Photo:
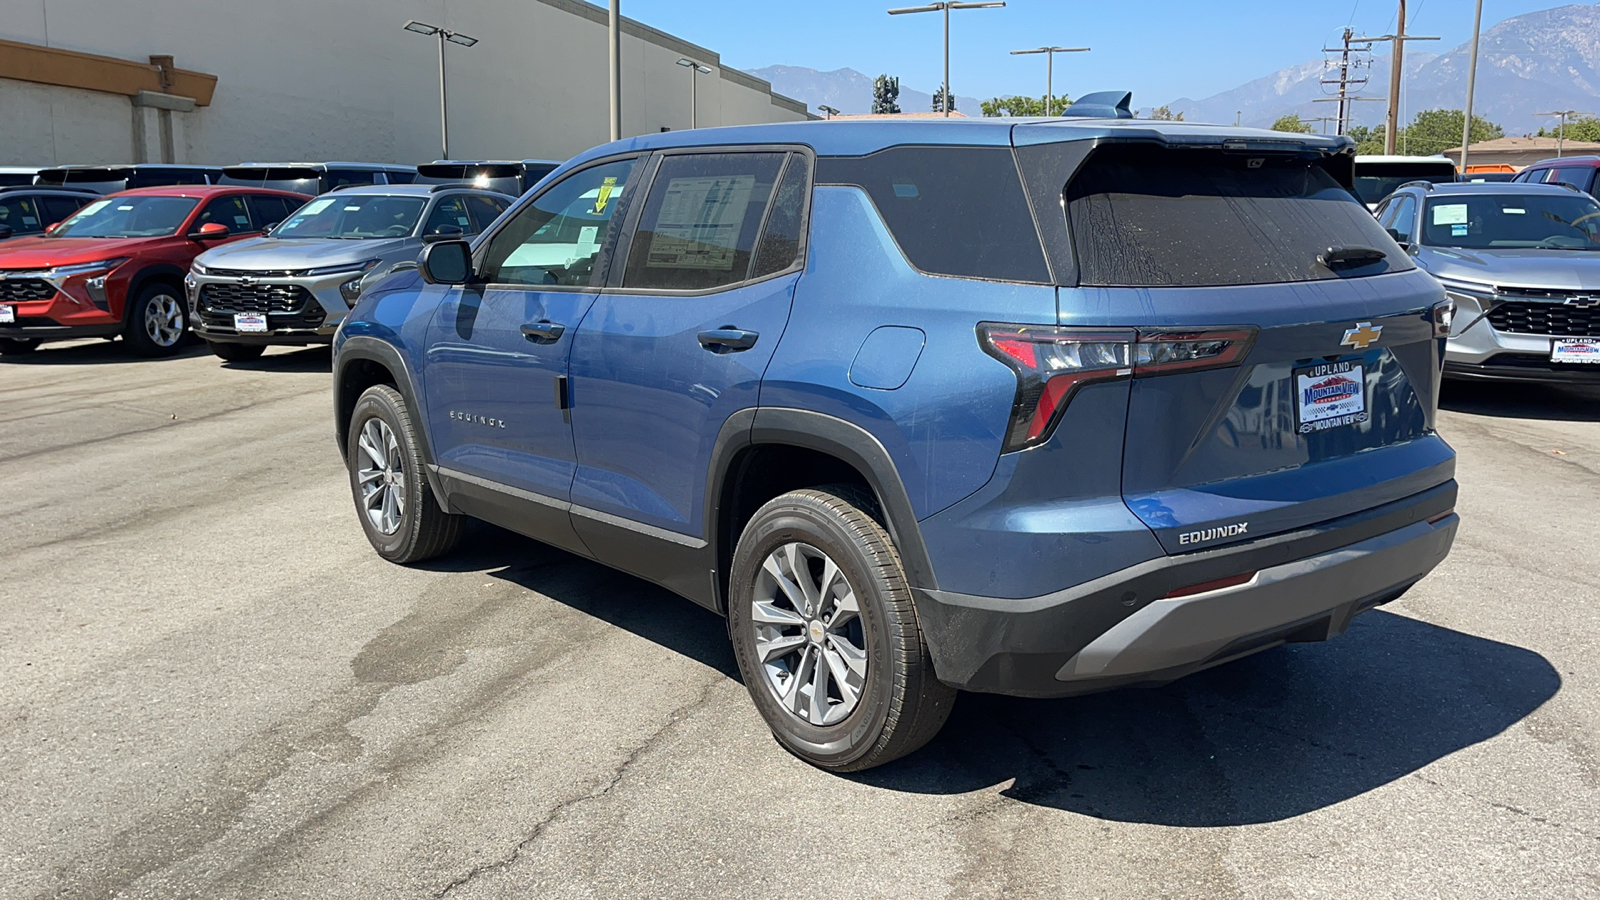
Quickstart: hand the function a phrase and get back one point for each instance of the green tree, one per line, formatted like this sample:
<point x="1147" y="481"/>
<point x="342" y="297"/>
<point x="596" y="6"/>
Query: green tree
<point x="1024" y="106"/>
<point x="1165" y="114"/>
<point x="1291" y="122"/>
<point x="1436" y="130"/>
<point x="1586" y="129"/>
<point x="942" y="97"/>
<point x="885" y="95"/>
<point x="1369" y="141"/>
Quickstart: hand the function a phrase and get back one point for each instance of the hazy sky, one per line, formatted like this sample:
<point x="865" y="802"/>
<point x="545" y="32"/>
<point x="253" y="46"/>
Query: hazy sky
<point x="1159" y="49"/>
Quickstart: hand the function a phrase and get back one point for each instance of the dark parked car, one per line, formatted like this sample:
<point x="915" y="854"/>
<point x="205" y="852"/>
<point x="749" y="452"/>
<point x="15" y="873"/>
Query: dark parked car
<point x="1028" y="407"/>
<point x="1579" y="171"/>
<point x="111" y="179"/>
<point x="506" y="176"/>
<point x="315" y="178"/>
<point x="29" y="209"/>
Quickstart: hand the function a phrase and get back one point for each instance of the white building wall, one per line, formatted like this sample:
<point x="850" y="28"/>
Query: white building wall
<point x="340" y="79"/>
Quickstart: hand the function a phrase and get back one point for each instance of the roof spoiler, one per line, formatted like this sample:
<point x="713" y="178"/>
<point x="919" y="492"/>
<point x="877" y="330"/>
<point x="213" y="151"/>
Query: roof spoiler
<point x="1102" y="105"/>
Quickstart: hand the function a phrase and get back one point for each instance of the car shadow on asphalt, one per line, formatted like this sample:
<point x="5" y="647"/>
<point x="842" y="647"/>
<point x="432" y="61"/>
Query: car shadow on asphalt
<point x="299" y="359"/>
<point x="1266" y="738"/>
<point x="96" y="352"/>
<point x="621" y="600"/>
<point x="1519" y="400"/>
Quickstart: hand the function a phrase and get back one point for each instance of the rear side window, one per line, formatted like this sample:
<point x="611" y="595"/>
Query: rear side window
<point x="484" y="210"/>
<point x="1153" y="217"/>
<point x="953" y="210"/>
<point x="781" y="240"/>
<point x="268" y="210"/>
<point x="701" y="220"/>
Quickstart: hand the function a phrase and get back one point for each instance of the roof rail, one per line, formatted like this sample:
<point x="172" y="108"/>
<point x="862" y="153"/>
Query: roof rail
<point x="1571" y="187"/>
<point x="1102" y="105"/>
<point x="453" y="186"/>
<point x="1423" y="183"/>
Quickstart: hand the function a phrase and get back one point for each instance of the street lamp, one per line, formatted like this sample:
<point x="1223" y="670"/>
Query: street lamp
<point x="454" y="37"/>
<point x="695" y="71"/>
<point x="828" y="111"/>
<point x="1561" y="130"/>
<point x="945" y="8"/>
<point x="1050" y="70"/>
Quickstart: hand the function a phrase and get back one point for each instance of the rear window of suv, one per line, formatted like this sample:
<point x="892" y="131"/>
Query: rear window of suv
<point x="1154" y="217"/>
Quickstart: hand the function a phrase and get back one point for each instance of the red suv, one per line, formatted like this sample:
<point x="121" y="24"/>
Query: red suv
<point x="1581" y="172"/>
<point x="117" y="265"/>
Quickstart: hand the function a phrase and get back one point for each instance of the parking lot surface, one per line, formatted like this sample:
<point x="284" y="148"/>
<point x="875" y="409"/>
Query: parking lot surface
<point x="212" y="687"/>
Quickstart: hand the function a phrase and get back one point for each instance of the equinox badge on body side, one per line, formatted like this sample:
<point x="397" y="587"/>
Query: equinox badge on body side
<point x="1211" y="534"/>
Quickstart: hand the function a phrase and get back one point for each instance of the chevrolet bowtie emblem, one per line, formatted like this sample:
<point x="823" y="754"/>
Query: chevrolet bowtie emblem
<point x="1583" y="301"/>
<point x="1362" y="336"/>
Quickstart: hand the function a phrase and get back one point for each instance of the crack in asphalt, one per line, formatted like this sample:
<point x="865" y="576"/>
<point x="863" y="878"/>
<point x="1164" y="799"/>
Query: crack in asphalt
<point x="596" y="791"/>
<point x="1496" y="804"/>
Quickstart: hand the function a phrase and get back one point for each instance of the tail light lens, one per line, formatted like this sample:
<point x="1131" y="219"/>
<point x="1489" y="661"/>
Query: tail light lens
<point x="1052" y="362"/>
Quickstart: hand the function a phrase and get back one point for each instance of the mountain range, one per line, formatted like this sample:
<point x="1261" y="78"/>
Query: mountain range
<point x="848" y="91"/>
<point x="1535" y="62"/>
<point x="1538" y="61"/>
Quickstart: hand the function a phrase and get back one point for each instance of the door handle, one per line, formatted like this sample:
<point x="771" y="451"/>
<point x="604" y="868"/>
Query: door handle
<point x="543" y="331"/>
<point x="728" y="339"/>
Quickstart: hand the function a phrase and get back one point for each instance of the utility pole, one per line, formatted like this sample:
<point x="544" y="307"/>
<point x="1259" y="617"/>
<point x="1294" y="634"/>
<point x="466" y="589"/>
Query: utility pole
<point x="1050" y="71"/>
<point x="1561" y="130"/>
<point x="1472" y="74"/>
<point x="1396" y="65"/>
<point x="1347" y="81"/>
<point x="827" y="110"/>
<point x="614" y="43"/>
<point x="945" y="7"/>
<point x="696" y="69"/>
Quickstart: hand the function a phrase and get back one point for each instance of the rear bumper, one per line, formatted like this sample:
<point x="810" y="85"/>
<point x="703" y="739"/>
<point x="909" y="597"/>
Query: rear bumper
<point x="1116" y="630"/>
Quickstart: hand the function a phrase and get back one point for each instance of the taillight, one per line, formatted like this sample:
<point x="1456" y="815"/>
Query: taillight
<point x="1052" y="362"/>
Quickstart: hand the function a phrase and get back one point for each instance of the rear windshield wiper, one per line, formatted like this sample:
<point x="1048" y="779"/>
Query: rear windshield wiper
<point x="1350" y="256"/>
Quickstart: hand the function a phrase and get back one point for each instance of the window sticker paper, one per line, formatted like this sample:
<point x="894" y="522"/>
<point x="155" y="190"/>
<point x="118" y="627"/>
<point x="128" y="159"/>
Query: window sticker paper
<point x="1450" y="214"/>
<point x="699" y="223"/>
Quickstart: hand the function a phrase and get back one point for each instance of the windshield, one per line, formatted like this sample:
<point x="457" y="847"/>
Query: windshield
<point x="1375" y="181"/>
<point x="123" y="217"/>
<point x="1512" y="221"/>
<point x="20" y="214"/>
<point x="353" y="217"/>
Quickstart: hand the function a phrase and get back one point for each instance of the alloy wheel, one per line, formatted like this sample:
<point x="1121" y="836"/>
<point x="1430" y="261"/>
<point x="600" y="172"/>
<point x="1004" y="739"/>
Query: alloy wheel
<point x="381" y="476"/>
<point x="163" y="320"/>
<point x="809" y="635"/>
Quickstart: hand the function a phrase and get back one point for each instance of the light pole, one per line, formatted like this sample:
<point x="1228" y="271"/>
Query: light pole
<point x="828" y="111"/>
<point x="454" y="37"/>
<point x="1050" y="70"/>
<point x="945" y="8"/>
<point x="1472" y="75"/>
<point x="614" y="52"/>
<point x="1561" y="130"/>
<point x="695" y="71"/>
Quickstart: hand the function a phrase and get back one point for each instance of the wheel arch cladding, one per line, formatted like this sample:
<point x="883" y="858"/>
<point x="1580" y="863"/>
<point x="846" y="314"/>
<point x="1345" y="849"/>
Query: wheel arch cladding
<point x="766" y="452"/>
<point x="160" y="273"/>
<point x="362" y="362"/>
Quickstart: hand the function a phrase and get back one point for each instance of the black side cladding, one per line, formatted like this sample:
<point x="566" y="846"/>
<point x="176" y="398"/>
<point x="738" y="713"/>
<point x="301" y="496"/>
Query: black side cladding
<point x="953" y="210"/>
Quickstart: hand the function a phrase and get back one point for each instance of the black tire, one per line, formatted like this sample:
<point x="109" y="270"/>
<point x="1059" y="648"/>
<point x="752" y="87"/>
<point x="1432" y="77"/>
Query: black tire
<point x="424" y="530"/>
<point x="901" y="704"/>
<point x="157" y="322"/>
<point x="236" y="352"/>
<point x="18" y="346"/>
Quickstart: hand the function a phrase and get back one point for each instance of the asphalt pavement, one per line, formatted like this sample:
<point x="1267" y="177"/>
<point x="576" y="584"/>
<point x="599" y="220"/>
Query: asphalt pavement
<point x="210" y="686"/>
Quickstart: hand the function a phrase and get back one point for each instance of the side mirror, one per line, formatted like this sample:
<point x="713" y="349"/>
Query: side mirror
<point x="5" y="232"/>
<point x="211" y="231"/>
<point x="51" y="228"/>
<point x="446" y="262"/>
<point x="443" y="233"/>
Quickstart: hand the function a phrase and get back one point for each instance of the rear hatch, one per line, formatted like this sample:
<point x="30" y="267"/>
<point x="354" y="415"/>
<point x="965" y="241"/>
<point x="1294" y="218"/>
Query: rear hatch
<point x="1289" y="353"/>
<point x="505" y="177"/>
<point x="299" y="179"/>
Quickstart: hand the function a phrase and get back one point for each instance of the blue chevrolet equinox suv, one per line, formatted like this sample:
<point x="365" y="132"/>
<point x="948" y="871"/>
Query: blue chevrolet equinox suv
<point x="1031" y="407"/>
